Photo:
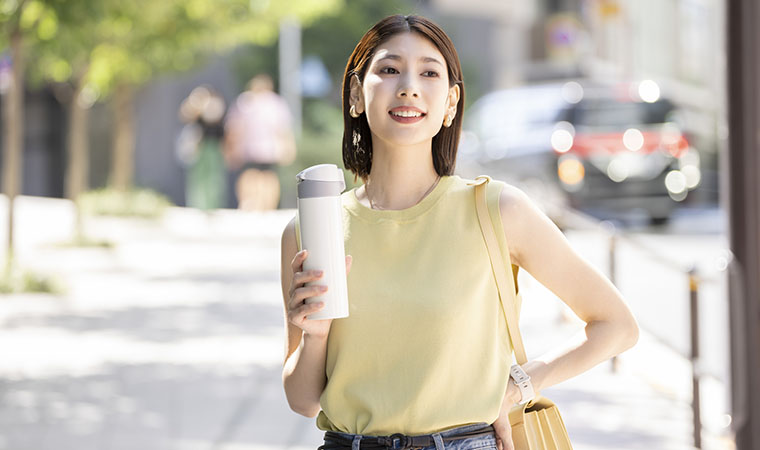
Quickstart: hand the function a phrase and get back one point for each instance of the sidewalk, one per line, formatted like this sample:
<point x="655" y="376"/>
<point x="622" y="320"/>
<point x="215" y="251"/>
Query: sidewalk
<point x="174" y="339"/>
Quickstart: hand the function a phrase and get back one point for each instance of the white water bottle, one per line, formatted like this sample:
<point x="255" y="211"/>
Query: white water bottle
<point x="320" y="220"/>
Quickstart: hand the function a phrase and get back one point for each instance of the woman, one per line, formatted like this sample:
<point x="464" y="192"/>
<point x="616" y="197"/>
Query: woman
<point x="425" y="350"/>
<point x="199" y="148"/>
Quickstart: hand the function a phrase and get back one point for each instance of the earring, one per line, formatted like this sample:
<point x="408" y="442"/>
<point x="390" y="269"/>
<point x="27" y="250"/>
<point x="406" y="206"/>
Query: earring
<point x="447" y="122"/>
<point x="353" y="112"/>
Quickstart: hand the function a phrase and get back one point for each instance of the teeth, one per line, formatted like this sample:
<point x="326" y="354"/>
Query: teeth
<point x="406" y="114"/>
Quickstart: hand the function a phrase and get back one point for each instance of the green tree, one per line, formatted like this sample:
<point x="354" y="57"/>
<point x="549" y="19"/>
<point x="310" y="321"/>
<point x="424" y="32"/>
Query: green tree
<point x="103" y="48"/>
<point x="65" y="59"/>
<point x="149" y="38"/>
<point x="21" y="24"/>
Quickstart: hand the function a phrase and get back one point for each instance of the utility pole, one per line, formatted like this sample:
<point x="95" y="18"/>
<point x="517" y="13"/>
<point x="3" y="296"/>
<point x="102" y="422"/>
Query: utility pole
<point x="290" y="69"/>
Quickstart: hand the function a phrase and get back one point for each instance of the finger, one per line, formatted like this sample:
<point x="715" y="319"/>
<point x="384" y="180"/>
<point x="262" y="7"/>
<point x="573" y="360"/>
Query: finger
<point x="298" y="259"/>
<point x="499" y="444"/>
<point x="506" y="438"/>
<point x="503" y="434"/>
<point x="298" y="316"/>
<point x="300" y="278"/>
<point x="349" y="263"/>
<point x="301" y="294"/>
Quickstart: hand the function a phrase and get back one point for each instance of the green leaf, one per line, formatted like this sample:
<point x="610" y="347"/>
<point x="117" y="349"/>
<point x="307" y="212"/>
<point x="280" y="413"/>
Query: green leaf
<point x="31" y="14"/>
<point x="8" y="7"/>
<point x="48" y="26"/>
<point x="60" y="70"/>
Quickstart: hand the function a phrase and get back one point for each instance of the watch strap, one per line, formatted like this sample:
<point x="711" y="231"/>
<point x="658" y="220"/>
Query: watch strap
<point x="522" y="381"/>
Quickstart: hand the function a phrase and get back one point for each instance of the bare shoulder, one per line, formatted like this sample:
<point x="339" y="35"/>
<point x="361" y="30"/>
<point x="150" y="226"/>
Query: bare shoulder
<point x="288" y="243"/>
<point x="289" y="233"/>
<point x="524" y="223"/>
<point x="512" y="199"/>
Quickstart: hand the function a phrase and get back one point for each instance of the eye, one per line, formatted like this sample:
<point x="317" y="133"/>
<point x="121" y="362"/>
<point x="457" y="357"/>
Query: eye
<point x="384" y="69"/>
<point x="433" y="72"/>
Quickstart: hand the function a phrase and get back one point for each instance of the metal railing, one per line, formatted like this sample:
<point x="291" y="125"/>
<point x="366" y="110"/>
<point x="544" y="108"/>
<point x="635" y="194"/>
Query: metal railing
<point x="575" y="219"/>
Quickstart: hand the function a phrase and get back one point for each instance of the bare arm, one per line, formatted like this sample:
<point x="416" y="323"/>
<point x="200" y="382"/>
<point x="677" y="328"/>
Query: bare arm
<point x="232" y="139"/>
<point x="288" y="143"/>
<point x="538" y="246"/>
<point x="303" y="374"/>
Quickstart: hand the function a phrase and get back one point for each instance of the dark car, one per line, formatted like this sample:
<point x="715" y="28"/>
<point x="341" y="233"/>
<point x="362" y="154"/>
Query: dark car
<point x="617" y="154"/>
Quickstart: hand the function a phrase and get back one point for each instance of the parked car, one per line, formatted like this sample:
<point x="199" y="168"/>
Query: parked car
<point x="617" y="153"/>
<point x="598" y="148"/>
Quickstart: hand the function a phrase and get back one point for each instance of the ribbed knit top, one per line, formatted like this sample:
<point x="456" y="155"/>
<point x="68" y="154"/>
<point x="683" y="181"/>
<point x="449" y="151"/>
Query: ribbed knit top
<point x="425" y="347"/>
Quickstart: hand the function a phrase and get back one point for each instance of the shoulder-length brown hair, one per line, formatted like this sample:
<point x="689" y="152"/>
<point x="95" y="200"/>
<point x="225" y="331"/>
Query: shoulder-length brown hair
<point x="357" y="141"/>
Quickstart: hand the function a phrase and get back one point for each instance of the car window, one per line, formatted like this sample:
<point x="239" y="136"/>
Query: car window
<point x="610" y="113"/>
<point x="516" y="111"/>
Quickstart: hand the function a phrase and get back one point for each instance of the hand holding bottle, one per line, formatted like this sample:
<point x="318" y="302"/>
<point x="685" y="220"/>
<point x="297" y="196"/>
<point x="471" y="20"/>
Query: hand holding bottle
<point x="298" y="309"/>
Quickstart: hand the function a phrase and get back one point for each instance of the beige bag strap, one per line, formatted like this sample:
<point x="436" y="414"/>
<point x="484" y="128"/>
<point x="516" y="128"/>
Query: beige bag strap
<point x="505" y="284"/>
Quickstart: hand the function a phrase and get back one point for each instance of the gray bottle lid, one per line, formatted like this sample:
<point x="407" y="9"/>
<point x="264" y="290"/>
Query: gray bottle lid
<point x="322" y="180"/>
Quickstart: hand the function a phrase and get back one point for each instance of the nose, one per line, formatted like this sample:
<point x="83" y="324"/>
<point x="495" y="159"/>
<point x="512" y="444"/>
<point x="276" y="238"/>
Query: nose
<point x="408" y="91"/>
<point x="408" y="88"/>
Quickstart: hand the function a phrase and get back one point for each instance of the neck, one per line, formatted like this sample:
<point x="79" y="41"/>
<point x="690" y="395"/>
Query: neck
<point x="401" y="176"/>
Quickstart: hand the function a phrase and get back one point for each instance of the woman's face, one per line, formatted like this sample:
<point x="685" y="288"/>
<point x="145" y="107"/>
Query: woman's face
<point x="405" y="92"/>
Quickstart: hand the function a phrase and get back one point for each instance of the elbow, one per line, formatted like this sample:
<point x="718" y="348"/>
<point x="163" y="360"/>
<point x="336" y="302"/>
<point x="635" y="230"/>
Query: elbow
<point x="634" y="335"/>
<point x="616" y="335"/>
<point x="306" y="409"/>
<point x="628" y="332"/>
<point x="299" y="405"/>
<point x="310" y="412"/>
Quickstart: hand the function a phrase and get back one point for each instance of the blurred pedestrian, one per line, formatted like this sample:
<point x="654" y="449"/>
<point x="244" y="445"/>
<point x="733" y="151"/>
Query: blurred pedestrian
<point x="199" y="148"/>
<point x="425" y="351"/>
<point x="258" y="139"/>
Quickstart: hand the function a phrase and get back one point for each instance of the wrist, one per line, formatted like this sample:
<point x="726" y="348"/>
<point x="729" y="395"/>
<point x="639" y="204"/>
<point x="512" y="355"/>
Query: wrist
<point x="316" y="338"/>
<point x="537" y="372"/>
<point x="522" y="380"/>
<point x="513" y="393"/>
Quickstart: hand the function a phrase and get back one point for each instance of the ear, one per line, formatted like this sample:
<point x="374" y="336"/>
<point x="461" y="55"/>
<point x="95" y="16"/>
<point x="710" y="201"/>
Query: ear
<point x="452" y="100"/>
<point x="356" y="97"/>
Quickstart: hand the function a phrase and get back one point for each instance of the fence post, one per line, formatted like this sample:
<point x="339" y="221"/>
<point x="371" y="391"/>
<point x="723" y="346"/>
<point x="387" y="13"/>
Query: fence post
<point x="695" y="364"/>
<point x="610" y="228"/>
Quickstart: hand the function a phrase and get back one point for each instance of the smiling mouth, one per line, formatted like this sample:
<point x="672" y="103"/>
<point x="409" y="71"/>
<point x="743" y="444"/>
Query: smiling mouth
<point x="406" y="114"/>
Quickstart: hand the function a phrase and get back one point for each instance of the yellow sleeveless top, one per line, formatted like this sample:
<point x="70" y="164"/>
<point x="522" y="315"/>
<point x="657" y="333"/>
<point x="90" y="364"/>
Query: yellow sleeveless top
<point x="425" y="347"/>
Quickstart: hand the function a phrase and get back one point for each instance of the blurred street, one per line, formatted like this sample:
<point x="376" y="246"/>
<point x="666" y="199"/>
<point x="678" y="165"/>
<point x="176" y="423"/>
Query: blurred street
<point x="174" y="339"/>
<point x="629" y="123"/>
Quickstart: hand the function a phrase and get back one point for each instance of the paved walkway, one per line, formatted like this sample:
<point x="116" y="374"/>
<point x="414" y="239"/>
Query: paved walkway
<point x="173" y="339"/>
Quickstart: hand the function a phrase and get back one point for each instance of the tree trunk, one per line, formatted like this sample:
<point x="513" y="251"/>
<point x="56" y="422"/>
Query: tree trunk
<point x="78" y="167"/>
<point x="13" y="138"/>
<point x="122" y="164"/>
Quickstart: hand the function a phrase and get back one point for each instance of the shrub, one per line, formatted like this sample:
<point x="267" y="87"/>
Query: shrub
<point x="136" y="202"/>
<point x="26" y="281"/>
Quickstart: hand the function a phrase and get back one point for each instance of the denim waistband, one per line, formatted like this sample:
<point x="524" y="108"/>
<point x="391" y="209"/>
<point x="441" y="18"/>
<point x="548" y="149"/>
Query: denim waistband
<point x="437" y="437"/>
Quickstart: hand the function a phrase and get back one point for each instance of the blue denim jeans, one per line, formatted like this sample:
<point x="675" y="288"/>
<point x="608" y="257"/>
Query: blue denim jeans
<point x="485" y="442"/>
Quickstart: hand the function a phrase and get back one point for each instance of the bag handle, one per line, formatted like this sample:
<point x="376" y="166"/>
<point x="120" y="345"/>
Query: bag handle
<point x="504" y="283"/>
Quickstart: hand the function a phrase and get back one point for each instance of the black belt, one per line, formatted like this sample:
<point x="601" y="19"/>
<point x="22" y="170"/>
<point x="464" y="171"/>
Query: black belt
<point x="334" y="441"/>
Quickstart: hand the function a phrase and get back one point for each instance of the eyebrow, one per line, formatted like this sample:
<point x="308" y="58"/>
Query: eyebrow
<point x="399" y="58"/>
